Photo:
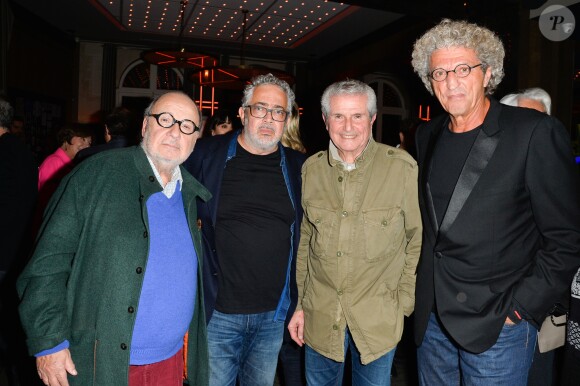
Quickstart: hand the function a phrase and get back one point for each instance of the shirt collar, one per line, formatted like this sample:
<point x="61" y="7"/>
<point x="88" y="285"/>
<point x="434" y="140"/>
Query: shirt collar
<point x="335" y="157"/>
<point x="176" y="177"/>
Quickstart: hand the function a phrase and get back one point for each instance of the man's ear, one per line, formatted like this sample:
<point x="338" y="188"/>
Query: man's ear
<point x="486" y="77"/>
<point x="242" y="114"/>
<point x="144" y="127"/>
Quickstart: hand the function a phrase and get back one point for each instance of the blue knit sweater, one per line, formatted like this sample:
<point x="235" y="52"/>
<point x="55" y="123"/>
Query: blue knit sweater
<point x="166" y="303"/>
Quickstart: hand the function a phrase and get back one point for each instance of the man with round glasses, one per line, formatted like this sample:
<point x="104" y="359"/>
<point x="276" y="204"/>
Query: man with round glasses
<point x="251" y="229"/>
<point x="498" y="192"/>
<point x="114" y="284"/>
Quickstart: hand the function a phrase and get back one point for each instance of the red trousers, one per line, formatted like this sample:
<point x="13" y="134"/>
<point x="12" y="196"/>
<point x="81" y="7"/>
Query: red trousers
<point x="165" y="373"/>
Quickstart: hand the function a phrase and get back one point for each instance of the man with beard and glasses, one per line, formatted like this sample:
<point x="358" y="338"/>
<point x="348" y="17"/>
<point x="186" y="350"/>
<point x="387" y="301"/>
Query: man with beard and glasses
<point x="114" y="285"/>
<point x="250" y="232"/>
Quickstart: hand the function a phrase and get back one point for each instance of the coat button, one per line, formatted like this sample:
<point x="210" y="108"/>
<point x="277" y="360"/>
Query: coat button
<point x="438" y="255"/>
<point x="339" y="292"/>
<point x="339" y="179"/>
<point x="145" y="234"/>
<point x="334" y="327"/>
<point x="123" y="346"/>
<point x="130" y="309"/>
<point x="151" y="178"/>
<point x="139" y="270"/>
<point x="344" y="213"/>
<point x="339" y="253"/>
<point x="141" y="197"/>
<point x="390" y="152"/>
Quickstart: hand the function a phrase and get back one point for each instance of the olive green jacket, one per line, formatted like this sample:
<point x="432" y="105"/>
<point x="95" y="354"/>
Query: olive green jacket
<point x="359" y="248"/>
<point x="84" y="280"/>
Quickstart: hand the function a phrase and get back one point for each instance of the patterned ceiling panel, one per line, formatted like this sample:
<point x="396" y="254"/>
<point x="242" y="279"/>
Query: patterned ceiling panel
<point x="274" y="23"/>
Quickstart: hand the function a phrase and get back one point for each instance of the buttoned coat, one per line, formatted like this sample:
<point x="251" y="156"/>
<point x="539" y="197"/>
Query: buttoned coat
<point x="510" y="237"/>
<point x="84" y="281"/>
<point x="359" y="247"/>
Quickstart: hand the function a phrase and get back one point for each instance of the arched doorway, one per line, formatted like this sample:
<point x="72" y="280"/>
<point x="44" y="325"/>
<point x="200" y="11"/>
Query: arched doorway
<point x="391" y="108"/>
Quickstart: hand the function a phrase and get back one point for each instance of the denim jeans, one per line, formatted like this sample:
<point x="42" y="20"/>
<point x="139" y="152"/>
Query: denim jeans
<point x="243" y="347"/>
<point x="322" y="371"/>
<point x="441" y="361"/>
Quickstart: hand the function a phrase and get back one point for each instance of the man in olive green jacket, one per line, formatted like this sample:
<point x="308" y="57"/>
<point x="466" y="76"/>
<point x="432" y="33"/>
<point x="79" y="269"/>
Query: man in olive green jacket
<point x="95" y="272"/>
<point x="359" y="246"/>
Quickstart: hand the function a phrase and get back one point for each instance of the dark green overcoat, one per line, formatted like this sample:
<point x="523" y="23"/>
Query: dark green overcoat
<point x="84" y="279"/>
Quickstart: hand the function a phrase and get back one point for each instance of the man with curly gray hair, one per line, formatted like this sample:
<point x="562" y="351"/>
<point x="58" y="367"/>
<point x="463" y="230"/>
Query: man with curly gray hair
<point x="498" y="192"/>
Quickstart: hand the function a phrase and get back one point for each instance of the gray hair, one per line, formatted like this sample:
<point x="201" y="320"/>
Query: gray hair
<point x="534" y="93"/>
<point x="349" y="87"/>
<point x="459" y="33"/>
<point x="149" y="108"/>
<point x="6" y="114"/>
<point x="510" y="100"/>
<point x="268" y="79"/>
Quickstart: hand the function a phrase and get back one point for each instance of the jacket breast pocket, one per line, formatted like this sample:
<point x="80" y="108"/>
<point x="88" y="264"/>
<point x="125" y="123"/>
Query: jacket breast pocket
<point x="322" y="221"/>
<point x="383" y="232"/>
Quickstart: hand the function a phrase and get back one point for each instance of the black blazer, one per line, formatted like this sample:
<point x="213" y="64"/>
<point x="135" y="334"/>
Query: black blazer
<point x="207" y="164"/>
<point x="510" y="237"/>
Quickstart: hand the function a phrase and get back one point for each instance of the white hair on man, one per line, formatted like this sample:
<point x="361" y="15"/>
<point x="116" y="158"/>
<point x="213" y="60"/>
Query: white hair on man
<point x="534" y="94"/>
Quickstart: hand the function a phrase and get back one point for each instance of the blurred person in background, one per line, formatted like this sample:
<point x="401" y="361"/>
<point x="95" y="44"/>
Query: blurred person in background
<point x="72" y="139"/>
<point x="220" y="123"/>
<point x="116" y="131"/>
<point x="18" y="190"/>
<point x="531" y="98"/>
<point x="291" y="136"/>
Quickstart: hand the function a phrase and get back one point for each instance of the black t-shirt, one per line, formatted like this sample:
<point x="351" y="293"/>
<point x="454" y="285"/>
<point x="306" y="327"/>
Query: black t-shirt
<point x="252" y="233"/>
<point x="449" y="157"/>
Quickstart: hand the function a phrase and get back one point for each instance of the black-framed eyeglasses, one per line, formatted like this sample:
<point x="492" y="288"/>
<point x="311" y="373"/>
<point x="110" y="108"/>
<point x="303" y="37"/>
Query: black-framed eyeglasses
<point x="166" y="120"/>
<point x="461" y="71"/>
<point x="259" y="111"/>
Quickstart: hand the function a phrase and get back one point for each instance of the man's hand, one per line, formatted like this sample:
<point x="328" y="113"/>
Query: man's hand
<point x="296" y="327"/>
<point x="53" y="368"/>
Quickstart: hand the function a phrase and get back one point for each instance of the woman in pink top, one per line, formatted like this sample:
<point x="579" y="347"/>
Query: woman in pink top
<point x="72" y="139"/>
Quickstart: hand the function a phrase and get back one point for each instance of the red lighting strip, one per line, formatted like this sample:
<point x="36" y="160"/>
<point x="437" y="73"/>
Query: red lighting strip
<point x="228" y="73"/>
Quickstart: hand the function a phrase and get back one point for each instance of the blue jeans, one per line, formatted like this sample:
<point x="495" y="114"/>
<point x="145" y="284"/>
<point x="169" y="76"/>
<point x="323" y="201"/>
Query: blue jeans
<point x="243" y="347"/>
<point x="440" y="361"/>
<point x="322" y="371"/>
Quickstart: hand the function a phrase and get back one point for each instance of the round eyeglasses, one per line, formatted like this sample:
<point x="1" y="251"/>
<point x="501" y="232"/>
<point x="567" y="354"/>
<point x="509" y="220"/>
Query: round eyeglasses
<point x="461" y="71"/>
<point x="166" y="120"/>
<point x="259" y="111"/>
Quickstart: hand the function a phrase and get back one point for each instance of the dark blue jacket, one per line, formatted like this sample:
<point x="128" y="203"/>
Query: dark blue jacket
<point x="207" y="164"/>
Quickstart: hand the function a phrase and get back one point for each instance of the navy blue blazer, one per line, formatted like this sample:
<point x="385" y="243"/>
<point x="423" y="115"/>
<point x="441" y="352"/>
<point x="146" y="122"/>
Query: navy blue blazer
<point x="510" y="238"/>
<point x="207" y="164"/>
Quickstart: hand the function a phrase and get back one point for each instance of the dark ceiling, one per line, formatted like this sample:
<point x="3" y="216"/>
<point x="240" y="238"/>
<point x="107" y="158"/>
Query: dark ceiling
<point x="299" y="30"/>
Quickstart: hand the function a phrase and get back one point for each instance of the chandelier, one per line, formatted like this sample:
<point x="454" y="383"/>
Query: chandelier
<point x="180" y="58"/>
<point x="236" y="77"/>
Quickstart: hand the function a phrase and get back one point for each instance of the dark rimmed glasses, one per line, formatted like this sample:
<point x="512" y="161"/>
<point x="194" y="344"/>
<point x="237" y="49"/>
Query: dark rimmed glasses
<point x="166" y="120"/>
<point x="461" y="71"/>
<point x="259" y="111"/>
